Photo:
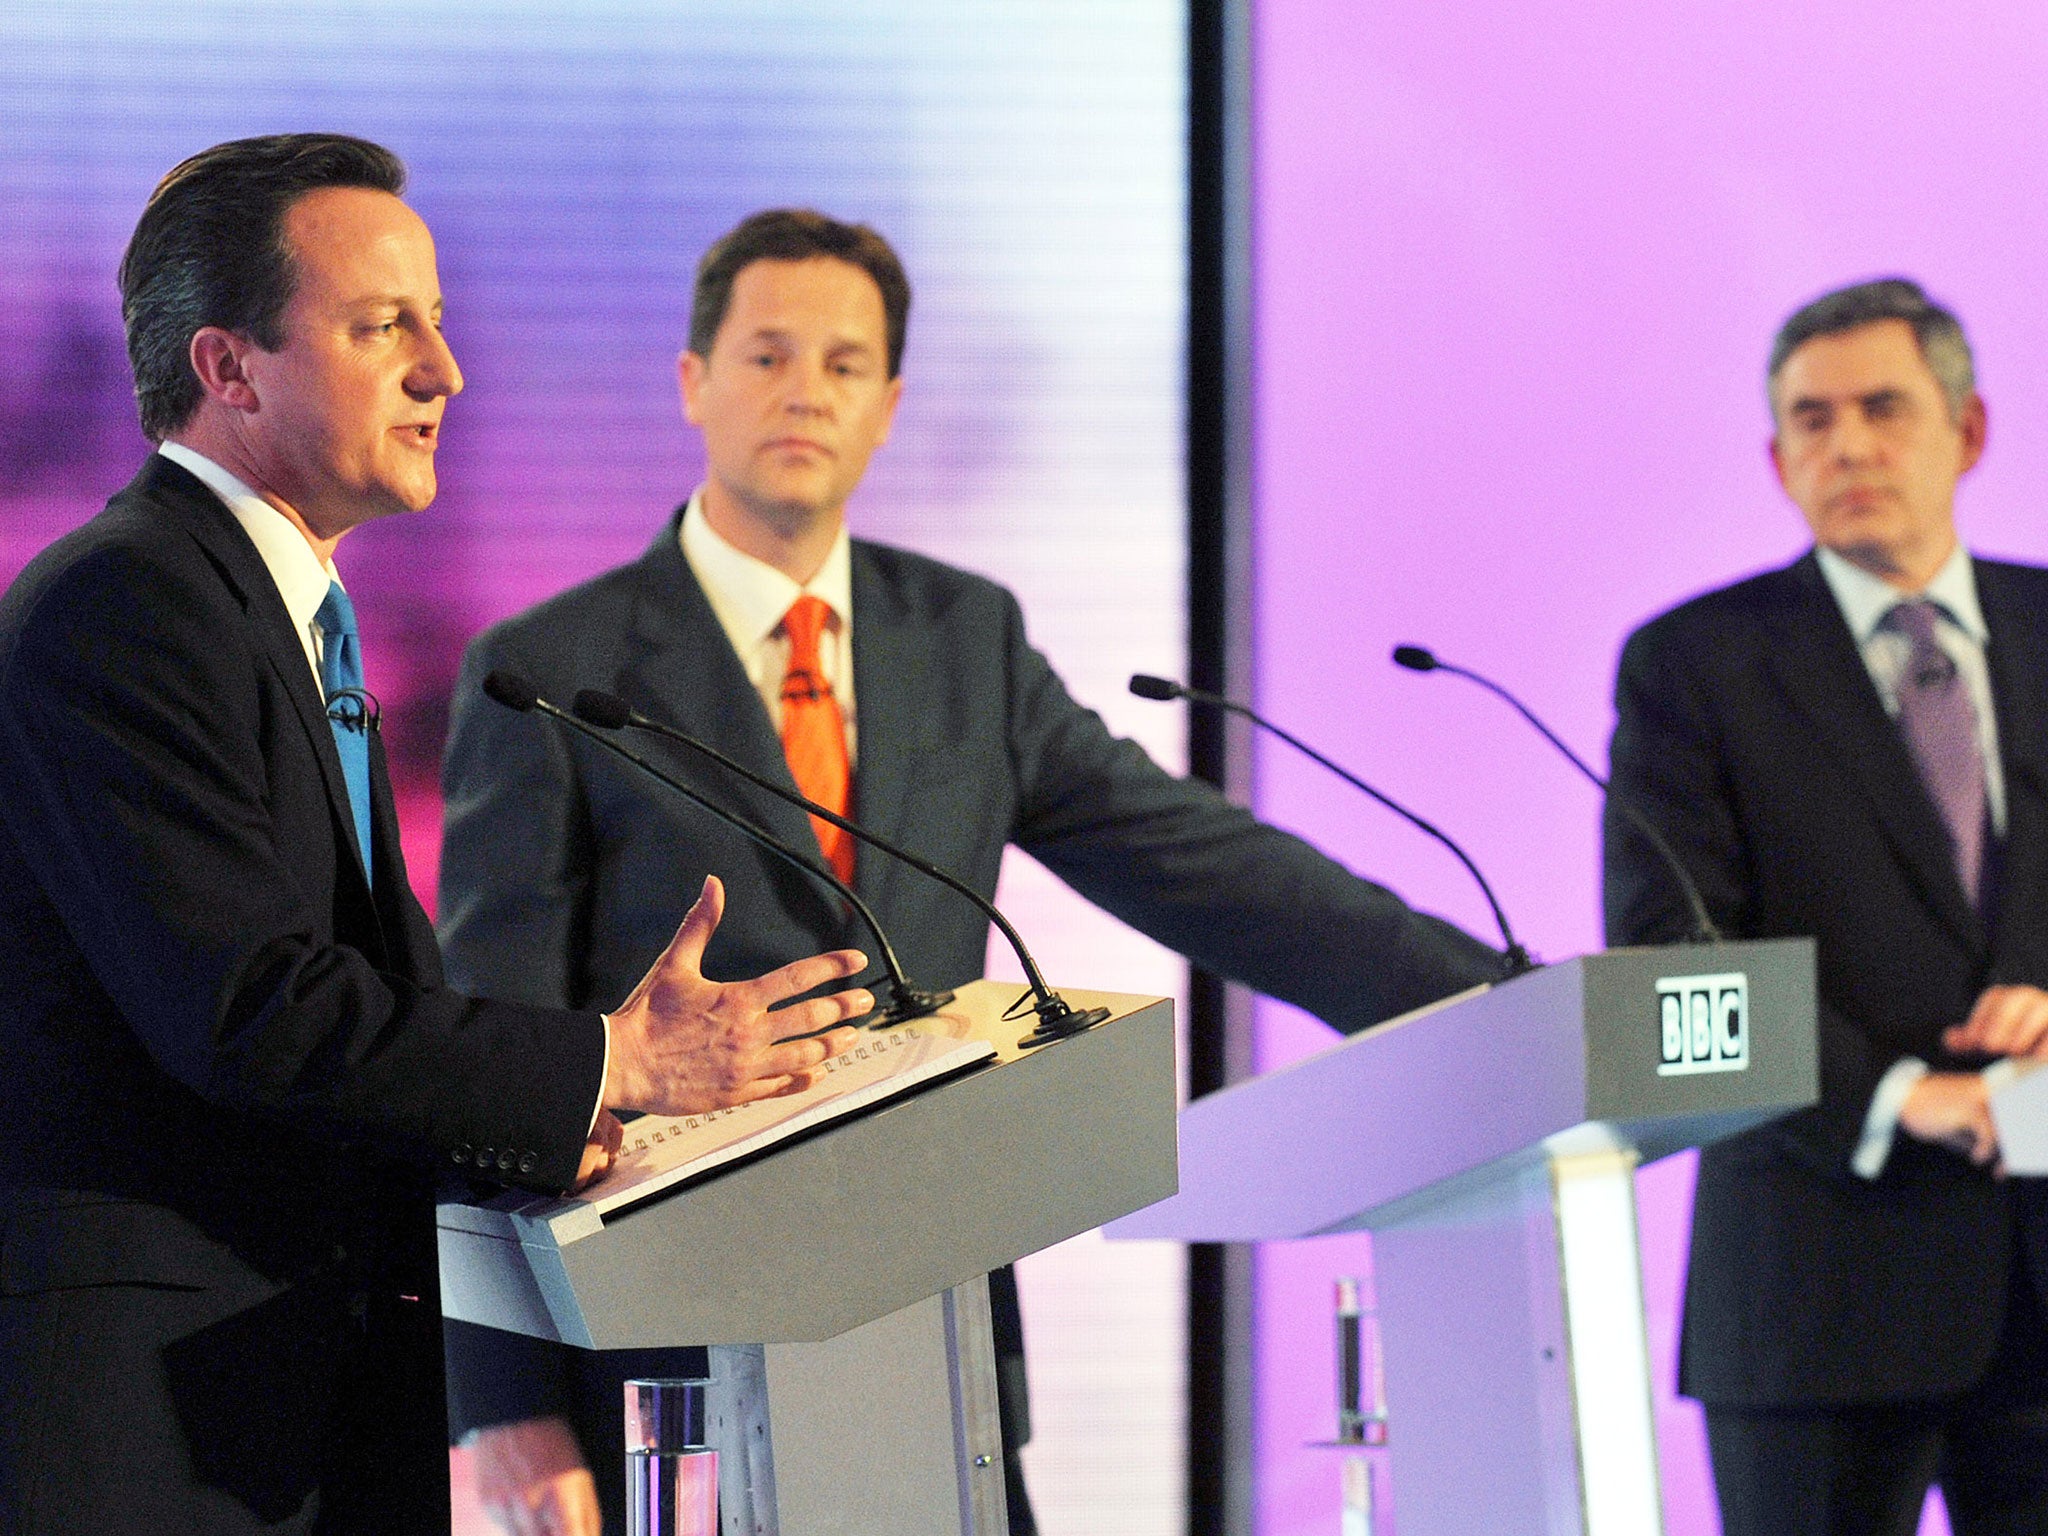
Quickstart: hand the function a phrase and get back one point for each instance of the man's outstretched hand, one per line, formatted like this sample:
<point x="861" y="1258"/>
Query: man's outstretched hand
<point x="683" y="1044"/>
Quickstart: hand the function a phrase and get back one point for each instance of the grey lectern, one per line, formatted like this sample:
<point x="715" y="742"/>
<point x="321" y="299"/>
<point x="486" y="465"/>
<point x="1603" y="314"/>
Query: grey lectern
<point x="839" y="1277"/>
<point x="1490" y="1143"/>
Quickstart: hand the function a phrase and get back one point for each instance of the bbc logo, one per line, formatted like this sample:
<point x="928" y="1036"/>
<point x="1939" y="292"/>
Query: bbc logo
<point x="1703" y="1024"/>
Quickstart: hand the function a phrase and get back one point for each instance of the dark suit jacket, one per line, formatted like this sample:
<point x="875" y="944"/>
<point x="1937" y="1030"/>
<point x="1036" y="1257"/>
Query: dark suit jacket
<point x="562" y="873"/>
<point x="230" y="1072"/>
<point x="1750" y="732"/>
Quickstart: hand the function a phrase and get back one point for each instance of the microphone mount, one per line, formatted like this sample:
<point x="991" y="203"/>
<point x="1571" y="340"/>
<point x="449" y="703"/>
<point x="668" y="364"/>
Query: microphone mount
<point x="1057" y="1018"/>
<point x="906" y="1000"/>
<point x="1161" y="688"/>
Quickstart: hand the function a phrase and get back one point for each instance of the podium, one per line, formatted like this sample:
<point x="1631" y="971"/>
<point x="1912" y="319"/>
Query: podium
<point x="838" y="1278"/>
<point x="1490" y="1142"/>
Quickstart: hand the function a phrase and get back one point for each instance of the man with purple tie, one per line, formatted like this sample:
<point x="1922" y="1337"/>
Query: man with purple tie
<point x="1856" y="747"/>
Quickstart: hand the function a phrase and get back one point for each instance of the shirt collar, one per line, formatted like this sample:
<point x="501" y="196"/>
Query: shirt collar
<point x="302" y="577"/>
<point x="1865" y="599"/>
<point x="750" y="596"/>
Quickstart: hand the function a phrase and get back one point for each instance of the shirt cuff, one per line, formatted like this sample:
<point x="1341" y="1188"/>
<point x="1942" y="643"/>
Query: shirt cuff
<point x="1881" y="1122"/>
<point x="602" y="1077"/>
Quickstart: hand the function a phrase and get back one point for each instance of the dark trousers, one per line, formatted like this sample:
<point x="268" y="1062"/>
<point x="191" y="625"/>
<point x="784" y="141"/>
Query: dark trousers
<point x="270" y="1423"/>
<point x="1864" y="1470"/>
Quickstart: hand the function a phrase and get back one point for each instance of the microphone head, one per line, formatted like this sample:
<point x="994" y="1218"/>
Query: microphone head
<point x="511" y="690"/>
<point x="1415" y="658"/>
<point x="606" y="711"/>
<point x="1146" y="687"/>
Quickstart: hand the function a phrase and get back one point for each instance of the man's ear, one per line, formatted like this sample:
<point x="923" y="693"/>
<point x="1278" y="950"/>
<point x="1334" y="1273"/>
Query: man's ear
<point x="690" y="370"/>
<point x="895" y="399"/>
<point x="217" y="359"/>
<point x="1975" y="425"/>
<point x="1771" y="452"/>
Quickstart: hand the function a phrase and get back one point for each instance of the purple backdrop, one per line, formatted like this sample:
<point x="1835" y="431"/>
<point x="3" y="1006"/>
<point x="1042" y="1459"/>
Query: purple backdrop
<point x="1515" y="277"/>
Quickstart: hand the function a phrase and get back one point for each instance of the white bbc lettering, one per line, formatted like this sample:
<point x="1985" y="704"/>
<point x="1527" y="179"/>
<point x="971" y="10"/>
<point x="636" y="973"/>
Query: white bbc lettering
<point x="1703" y="1024"/>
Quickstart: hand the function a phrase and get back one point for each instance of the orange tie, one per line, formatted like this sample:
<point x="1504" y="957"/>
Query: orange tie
<point x="813" y="734"/>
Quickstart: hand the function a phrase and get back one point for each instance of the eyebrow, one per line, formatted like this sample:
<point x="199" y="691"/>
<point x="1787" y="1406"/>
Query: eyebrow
<point x="836" y="344"/>
<point x="1870" y="397"/>
<point x="392" y="301"/>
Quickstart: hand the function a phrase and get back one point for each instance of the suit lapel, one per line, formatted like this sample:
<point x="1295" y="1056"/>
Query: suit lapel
<point x="679" y="668"/>
<point x="2018" y="655"/>
<point x="884" y="642"/>
<point x="215" y="530"/>
<point x="1815" y="660"/>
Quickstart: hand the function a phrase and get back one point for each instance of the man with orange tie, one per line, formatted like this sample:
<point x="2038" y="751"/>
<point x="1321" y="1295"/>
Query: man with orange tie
<point x="882" y="683"/>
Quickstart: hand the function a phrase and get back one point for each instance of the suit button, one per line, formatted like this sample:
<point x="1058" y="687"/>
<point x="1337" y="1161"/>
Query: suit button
<point x="485" y="1156"/>
<point x="506" y="1159"/>
<point x="528" y="1161"/>
<point x="460" y="1154"/>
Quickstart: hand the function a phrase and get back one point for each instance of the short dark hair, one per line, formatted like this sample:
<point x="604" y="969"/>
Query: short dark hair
<point x="209" y="250"/>
<point x="797" y="234"/>
<point x="1940" y="334"/>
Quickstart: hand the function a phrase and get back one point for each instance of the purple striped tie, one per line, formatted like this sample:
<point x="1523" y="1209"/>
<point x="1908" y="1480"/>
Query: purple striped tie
<point x="1939" y="720"/>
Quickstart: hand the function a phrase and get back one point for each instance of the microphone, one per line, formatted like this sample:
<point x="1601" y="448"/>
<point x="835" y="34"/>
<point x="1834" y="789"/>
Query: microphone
<point x="1057" y="1018"/>
<point x="1148" y="687"/>
<point x="1418" y="658"/>
<point x="905" y="1000"/>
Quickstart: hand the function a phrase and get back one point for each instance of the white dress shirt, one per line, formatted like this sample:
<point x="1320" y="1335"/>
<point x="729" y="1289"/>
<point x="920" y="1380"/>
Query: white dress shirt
<point x="301" y="576"/>
<point x="1960" y="631"/>
<point x="749" y="597"/>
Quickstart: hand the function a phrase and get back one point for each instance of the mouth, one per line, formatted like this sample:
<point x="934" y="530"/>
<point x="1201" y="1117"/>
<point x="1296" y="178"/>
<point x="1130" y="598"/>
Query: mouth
<point x="1856" y="498"/>
<point x="796" y="445"/>
<point x="425" y="434"/>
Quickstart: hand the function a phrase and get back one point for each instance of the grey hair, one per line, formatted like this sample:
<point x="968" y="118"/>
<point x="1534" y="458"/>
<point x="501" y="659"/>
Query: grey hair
<point x="1940" y="334"/>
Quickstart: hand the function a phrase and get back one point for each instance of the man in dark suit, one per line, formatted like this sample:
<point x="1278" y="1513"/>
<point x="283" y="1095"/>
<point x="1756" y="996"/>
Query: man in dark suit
<point x="1856" y="748"/>
<point x="230" y="1069"/>
<point x="943" y="730"/>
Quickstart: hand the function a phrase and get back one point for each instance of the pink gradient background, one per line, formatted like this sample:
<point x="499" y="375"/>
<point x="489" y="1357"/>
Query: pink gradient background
<point x="1515" y="279"/>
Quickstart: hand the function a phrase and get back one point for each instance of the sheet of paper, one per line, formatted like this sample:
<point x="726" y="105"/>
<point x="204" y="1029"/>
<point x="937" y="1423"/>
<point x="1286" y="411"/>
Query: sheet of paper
<point x="660" y="1151"/>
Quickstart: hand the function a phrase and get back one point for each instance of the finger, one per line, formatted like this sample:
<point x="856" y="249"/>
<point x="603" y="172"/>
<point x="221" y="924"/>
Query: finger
<point x="572" y="1505"/>
<point x="698" y="924"/>
<point x="823" y="1019"/>
<point x="1970" y="1035"/>
<point x="1986" y="1144"/>
<point x="2030" y="1026"/>
<point x="595" y="1163"/>
<point x="801" y="976"/>
<point x="761" y="1088"/>
<point x="805" y="1057"/>
<point x="1998" y="1019"/>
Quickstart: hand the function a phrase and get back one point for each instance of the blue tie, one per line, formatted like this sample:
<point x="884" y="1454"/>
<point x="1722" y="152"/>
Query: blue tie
<point x="348" y="711"/>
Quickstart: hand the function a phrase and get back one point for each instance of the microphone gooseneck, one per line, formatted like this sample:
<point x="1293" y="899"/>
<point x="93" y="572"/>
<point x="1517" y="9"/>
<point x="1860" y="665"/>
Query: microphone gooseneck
<point x="1146" y="686"/>
<point x="1418" y="658"/>
<point x="1057" y="1018"/>
<point x="906" y="1001"/>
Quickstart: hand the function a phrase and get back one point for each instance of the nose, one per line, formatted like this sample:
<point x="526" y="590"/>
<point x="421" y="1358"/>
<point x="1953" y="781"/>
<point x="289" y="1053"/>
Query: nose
<point x="804" y="391"/>
<point x="434" y="372"/>
<point x="1855" y="440"/>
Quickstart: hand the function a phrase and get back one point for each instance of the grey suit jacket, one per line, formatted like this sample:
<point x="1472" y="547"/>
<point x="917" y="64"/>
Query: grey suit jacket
<point x="563" y="874"/>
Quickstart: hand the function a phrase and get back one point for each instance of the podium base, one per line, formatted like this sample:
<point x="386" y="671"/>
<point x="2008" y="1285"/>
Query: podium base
<point x="1512" y="1319"/>
<point x="891" y="1426"/>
